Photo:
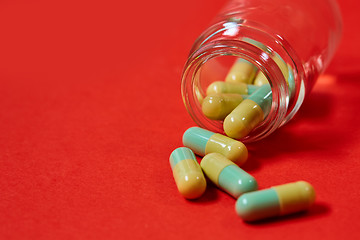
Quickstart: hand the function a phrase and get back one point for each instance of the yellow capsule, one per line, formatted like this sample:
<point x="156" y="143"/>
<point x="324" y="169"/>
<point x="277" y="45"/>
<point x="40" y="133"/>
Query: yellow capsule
<point x="230" y="87"/>
<point x="242" y="71"/>
<point x="243" y="119"/>
<point x="249" y="113"/>
<point x="187" y="173"/>
<point x="260" y="79"/>
<point x="218" y="106"/>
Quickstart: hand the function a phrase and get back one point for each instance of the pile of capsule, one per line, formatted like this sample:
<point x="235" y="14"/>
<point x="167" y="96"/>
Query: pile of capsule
<point x="244" y="99"/>
<point x="223" y="155"/>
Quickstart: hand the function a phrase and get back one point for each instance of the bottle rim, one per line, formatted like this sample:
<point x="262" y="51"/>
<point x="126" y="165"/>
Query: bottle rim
<point x="213" y="44"/>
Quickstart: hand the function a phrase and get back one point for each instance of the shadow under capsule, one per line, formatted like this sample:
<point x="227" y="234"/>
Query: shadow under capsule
<point x="317" y="210"/>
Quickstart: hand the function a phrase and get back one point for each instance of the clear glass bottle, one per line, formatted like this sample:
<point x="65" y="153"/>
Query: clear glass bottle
<point x="304" y="34"/>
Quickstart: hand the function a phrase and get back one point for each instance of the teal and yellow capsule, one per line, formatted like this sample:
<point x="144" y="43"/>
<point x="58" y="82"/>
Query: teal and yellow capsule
<point x="227" y="175"/>
<point x="230" y="87"/>
<point x="187" y="173"/>
<point x="202" y="142"/>
<point x="249" y="113"/>
<point x="276" y="201"/>
<point x="218" y="106"/>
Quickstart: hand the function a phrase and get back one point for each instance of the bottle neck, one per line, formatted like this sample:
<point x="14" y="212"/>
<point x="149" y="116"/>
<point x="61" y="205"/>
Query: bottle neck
<point x="235" y="38"/>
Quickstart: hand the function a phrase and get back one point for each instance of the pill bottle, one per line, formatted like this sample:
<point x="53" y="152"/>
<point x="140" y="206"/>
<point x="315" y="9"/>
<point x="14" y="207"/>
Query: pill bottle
<point x="304" y="34"/>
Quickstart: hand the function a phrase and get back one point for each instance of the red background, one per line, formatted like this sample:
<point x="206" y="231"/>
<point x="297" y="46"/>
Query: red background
<point x="90" y="110"/>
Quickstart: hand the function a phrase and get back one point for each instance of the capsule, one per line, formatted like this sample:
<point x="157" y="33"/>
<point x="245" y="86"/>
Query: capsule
<point x="202" y="142"/>
<point x="227" y="175"/>
<point x="276" y="201"/>
<point x="260" y="79"/>
<point x="218" y="106"/>
<point x="230" y="87"/>
<point x="187" y="173"/>
<point x="241" y="71"/>
<point x="249" y="113"/>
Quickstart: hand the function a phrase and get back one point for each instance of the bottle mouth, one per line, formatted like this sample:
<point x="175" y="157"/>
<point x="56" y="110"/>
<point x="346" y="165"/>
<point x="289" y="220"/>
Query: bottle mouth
<point x="214" y="55"/>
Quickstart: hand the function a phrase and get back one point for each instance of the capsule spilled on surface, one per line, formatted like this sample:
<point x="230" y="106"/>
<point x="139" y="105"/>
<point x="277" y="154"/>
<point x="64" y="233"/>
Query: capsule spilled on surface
<point x="187" y="173"/>
<point x="202" y="142"/>
<point x="275" y="201"/>
<point x="227" y="175"/>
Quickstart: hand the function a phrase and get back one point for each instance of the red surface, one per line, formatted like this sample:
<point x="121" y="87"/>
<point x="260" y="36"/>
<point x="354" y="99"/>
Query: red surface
<point x="90" y="109"/>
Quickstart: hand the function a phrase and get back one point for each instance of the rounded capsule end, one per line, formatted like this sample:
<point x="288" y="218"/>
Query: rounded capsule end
<point x="215" y="87"/>
<point x="258" y="205"/>
<point x="218" y="106"/>
<point x="246" y="184"/>
<point x="245" y="117"/>
<point x="245" y="209"/>
<point x="249" y="184"/>
<point x="238" y="153"/>
<point x="212" y="107"/>
<point x="235" y="128"/>
<point x="260" y="79"/>
<point x="236" y="181"/>
<point x="307" y="191"/>
<point x="196" y="139"/>
<point x="192" y="185"/>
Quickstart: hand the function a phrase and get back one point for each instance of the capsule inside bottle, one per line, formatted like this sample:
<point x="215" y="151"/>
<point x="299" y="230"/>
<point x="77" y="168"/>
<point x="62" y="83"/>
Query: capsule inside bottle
<point x="244" y="75"/>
